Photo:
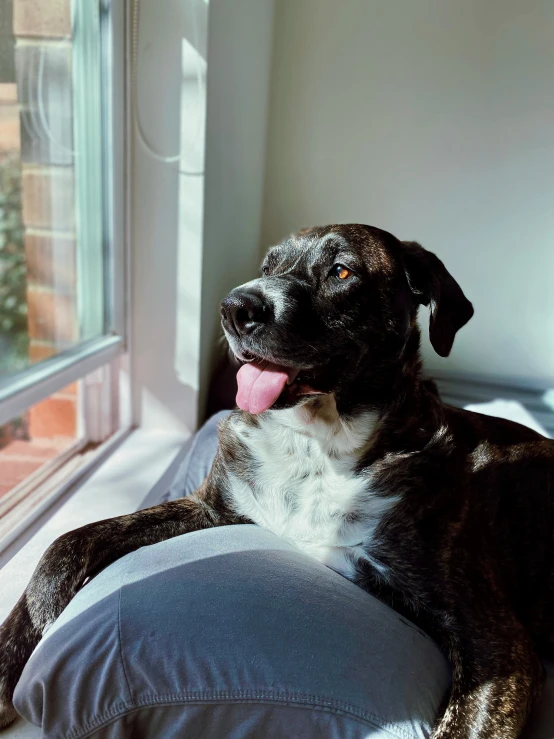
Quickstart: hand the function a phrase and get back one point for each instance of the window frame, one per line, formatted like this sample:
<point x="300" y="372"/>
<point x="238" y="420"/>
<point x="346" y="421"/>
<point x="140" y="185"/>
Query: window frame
<point x="107" y="354"/>
<point x="35" y="383"/>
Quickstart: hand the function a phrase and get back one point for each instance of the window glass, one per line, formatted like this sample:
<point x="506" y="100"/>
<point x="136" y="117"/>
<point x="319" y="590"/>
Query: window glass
<point x="36" y="439"/>
<point x="52" y="265"/>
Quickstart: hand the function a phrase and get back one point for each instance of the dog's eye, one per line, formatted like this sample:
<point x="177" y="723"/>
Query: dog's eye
<point x="265" y="269"/>
<point x="341" y="272"/>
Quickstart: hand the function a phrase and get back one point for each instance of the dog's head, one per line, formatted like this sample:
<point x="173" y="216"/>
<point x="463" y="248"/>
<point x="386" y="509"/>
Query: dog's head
<point x="333" y="302"/>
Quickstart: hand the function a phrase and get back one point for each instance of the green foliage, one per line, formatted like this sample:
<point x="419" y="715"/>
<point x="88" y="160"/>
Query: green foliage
<point x="16" y="429"/>
<point x="13" y="271"/>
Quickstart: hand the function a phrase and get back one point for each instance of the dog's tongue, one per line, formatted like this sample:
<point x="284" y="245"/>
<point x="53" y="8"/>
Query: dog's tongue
<point x="259" y="385"/>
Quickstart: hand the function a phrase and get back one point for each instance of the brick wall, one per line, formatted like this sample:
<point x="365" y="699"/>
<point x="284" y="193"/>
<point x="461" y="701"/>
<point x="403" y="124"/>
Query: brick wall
<point x="43" y="71"/>
<point x="9" y="118"/>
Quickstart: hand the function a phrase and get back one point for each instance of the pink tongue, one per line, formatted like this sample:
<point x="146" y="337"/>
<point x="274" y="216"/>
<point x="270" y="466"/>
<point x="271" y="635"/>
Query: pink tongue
<point x="260" y="385"/>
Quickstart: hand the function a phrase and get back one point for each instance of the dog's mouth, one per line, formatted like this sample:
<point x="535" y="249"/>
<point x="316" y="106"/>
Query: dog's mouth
<point x="263" y="384"/>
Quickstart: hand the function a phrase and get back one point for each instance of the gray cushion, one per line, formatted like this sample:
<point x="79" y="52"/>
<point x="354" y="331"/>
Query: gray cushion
<point x="230" y="633"/>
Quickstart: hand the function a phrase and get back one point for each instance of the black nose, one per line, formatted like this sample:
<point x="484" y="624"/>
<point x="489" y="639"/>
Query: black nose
<point x="243" y="311"/>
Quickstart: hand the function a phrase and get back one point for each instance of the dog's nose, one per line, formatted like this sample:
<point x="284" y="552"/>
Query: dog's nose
<point x="243" y="311"/>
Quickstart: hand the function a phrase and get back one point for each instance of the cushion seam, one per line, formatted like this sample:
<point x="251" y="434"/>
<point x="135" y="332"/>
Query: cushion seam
<point x="295" y="700"/>
<point x="120" y="645"/>
<point x="185" y="478"/>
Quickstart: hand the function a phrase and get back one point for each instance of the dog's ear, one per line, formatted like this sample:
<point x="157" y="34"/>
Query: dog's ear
<point x="433" y="285"/>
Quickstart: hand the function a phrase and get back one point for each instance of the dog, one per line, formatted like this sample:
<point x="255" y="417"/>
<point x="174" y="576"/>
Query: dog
<point x="342" y="446"/>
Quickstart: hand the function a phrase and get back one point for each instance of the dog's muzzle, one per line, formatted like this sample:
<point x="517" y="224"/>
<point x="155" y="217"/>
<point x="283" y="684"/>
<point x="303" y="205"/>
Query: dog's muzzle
<point x="243" y="311"/>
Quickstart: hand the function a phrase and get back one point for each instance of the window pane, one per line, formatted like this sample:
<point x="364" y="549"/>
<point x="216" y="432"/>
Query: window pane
<point x="52" y="265"/>
<point x="35" y="438"/>
<point x="43" y="447"/>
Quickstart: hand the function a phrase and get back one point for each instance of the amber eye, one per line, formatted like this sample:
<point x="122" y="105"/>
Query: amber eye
<point x="341" y="272"/>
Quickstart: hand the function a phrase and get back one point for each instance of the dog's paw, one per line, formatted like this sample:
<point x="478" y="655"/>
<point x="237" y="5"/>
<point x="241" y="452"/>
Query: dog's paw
<point x="8" y="713"/>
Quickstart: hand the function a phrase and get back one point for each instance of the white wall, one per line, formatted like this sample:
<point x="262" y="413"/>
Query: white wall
<point x="193" y="237"/>
<point x="162" y="398"/>
<point x="240" y="40"/>
<point x="434" y="120"/>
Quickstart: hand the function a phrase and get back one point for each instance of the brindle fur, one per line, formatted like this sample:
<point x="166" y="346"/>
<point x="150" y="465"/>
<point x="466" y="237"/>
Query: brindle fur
<point x="468" y="549"/>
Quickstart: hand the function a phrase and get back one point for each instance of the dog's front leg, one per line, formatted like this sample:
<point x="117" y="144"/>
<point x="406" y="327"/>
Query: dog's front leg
<point x="81" y="554"/>
<point x="496" y="680"/>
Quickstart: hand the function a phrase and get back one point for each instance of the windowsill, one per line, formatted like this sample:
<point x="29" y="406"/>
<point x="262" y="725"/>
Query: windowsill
<point x="144" y="460"/>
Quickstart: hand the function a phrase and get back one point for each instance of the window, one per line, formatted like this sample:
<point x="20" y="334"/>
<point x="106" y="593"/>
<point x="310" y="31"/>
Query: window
<point x="61" y="251"/>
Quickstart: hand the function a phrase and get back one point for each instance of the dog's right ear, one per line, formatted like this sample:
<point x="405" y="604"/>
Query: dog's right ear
<point x="432" y="284"/>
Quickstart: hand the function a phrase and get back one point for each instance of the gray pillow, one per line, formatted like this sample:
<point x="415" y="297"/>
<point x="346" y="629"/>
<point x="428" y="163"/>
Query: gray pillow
<point x="230" y="633"/>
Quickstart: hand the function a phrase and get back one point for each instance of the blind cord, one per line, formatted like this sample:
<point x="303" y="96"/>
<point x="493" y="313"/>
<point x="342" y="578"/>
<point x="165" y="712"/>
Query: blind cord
<point x="164" y="159"/>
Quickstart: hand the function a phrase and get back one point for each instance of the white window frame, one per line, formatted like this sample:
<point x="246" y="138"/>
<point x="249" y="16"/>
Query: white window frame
<point x="21" y="391"/>
<point x="96" y="363"/>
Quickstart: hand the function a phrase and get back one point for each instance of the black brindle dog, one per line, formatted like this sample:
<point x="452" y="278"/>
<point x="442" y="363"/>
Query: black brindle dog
<point x="344" y="448"/>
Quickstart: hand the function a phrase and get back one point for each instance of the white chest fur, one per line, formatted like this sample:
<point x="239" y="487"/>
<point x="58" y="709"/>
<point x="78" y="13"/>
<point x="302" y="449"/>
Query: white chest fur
<point x="304" y="486"/>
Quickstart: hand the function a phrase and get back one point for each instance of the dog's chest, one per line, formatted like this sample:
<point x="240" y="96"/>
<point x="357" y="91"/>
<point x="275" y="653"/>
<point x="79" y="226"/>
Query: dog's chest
<point x="307" y="490"/>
